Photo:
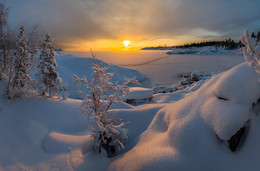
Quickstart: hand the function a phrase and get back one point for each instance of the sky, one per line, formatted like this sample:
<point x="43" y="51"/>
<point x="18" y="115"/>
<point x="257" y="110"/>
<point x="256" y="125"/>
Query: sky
<point x="104" y="24"/>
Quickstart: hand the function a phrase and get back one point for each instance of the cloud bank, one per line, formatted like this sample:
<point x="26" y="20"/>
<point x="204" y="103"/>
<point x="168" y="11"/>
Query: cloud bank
<point x="90" y="20"/>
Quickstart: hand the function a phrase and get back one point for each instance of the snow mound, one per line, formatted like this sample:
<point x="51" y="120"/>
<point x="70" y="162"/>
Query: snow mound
<point x="238" y="84"/>
<point x="69" y="65"/>
<point x="231" y="106"/>
<point x="186" y="133"/>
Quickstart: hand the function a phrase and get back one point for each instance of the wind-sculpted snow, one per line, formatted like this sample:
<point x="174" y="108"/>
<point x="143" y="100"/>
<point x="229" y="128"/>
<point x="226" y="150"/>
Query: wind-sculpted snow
<point x="189" y="134"/>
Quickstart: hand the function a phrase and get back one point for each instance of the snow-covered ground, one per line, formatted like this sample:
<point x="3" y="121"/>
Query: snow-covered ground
<point x="187" y="129"/>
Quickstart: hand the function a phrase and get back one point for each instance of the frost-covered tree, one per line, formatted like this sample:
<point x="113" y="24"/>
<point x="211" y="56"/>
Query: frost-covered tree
<point x="19" y="75"/>
<point x="251" y="51"/>
<point x="48" y="79"/>
<point x="107" y="132"/>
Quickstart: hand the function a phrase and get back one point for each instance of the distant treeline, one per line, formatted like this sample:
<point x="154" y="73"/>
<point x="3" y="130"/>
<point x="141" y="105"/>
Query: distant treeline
<point x="228" y="44"/>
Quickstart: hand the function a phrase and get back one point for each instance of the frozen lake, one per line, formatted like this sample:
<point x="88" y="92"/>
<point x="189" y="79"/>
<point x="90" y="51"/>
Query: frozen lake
<point x="165" y="69"/>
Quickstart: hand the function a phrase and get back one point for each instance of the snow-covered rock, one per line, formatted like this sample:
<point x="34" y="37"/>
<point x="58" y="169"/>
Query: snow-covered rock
<point x="230" y="107"/>
<point x="188" y="81"/>
<point x="138" y="95"/>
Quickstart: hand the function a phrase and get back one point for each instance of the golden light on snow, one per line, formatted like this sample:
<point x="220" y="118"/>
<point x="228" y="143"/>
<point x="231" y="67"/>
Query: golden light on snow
<point x="126" y="43"/>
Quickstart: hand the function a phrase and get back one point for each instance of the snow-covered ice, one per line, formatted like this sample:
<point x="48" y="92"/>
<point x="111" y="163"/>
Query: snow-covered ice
<point x="164" y="69"/>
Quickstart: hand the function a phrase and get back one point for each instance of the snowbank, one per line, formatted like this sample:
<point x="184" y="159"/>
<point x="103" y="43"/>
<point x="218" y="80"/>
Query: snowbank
<point x="186" y="134"/>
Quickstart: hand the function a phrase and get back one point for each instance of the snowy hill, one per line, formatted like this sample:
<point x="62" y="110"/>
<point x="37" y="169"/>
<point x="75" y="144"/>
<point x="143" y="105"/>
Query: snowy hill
<point x="70" y="64"/>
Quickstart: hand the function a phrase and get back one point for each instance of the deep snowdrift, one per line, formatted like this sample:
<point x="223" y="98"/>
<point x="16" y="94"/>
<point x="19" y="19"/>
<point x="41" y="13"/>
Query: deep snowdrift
<point x="183" y="135"/>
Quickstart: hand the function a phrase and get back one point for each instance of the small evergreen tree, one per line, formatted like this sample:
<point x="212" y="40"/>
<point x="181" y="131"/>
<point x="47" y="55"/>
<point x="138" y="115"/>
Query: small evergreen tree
<point x="48" y="79"/>
<point x="19" y="75"/>
<point x="97" y="103"/>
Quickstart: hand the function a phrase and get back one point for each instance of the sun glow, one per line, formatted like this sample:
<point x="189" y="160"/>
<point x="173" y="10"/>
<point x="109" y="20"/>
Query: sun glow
<point x="126" y="43"/>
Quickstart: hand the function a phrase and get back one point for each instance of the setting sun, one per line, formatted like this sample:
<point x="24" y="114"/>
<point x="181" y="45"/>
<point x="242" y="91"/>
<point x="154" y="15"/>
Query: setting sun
<point x="126" y="43"/>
